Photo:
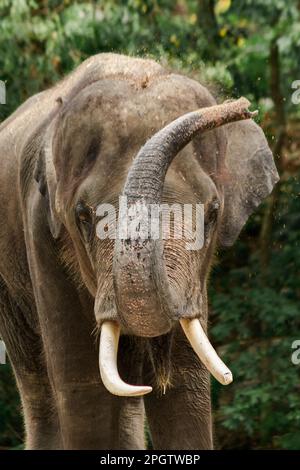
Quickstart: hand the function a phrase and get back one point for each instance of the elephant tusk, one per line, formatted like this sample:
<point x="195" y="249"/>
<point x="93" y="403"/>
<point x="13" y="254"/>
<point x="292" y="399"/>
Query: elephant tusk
<point x="108" y="353"/>
<point x="204" y="350"/>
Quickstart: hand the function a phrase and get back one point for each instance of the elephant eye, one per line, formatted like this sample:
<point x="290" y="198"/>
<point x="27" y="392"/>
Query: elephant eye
<point x="212" y="213"/>
<point x="84" y="216"/>
<point x="210" y="218"/>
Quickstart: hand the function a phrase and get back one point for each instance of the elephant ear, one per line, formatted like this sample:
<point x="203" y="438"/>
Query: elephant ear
<point x="45" y="175"/>
<point x="251" y="177"/>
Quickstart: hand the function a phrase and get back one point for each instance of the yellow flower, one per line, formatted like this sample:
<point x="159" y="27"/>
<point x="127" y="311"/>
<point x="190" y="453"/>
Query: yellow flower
<point x="174" y="40"/>
<point x="222" y="6"/>
<point x="193" y="18"/>
<point x="241" y="42"/>
<point x="223" y="31"/>
<point x="242" y="23"/>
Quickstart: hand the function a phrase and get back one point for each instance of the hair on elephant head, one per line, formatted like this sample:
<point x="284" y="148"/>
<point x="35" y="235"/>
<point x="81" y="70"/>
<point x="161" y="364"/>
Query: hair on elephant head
<point x="163" y="142"/>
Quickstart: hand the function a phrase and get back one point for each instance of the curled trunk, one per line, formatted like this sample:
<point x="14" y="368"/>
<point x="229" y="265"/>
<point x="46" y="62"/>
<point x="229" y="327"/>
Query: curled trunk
<point x="146" y="304"/>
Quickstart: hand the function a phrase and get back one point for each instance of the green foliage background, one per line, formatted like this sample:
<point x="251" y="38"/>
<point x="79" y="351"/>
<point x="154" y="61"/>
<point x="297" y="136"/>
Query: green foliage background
<point x="247" y="47"/>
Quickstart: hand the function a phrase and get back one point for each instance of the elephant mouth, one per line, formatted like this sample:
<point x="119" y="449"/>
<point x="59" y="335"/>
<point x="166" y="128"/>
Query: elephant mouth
<point x="108" y="352"/>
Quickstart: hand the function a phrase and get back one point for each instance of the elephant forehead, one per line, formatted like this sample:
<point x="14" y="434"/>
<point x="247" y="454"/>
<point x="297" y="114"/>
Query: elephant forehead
<point x="103" y="127"/>
<point x="135" y="104"/>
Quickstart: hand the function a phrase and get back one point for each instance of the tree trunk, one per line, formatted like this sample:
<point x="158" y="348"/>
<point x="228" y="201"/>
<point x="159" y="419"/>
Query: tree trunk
<point x="207" y="21"/>
<point x="280" y="123"/>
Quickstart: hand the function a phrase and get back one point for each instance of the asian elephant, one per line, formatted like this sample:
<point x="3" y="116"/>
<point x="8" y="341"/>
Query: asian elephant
<point x="119" y="126"/>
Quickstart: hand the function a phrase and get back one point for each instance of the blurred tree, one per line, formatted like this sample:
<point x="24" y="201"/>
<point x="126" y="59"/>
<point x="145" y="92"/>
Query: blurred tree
<point x="208" y="24"/>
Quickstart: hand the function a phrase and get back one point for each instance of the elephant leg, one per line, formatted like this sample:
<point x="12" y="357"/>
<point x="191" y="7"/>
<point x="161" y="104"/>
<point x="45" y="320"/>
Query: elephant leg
<point x="181" y="419"/>
<point x="40" y="416"/>
<point x="25" y="353"/>
<point x="131" y="423"/>
<point x="90" y="417"/>
<point x="132" y="414"/>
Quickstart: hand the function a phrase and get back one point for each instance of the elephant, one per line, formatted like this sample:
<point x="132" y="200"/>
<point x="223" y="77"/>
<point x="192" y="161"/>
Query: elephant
<point x="119" y="126"/>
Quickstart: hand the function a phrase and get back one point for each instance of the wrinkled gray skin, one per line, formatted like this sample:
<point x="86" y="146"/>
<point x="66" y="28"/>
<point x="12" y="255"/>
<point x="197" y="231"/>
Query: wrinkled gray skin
<point x="75" y="144"/>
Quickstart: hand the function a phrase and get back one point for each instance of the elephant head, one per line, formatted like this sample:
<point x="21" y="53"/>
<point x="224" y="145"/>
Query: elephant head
<point x="153" y="141"/>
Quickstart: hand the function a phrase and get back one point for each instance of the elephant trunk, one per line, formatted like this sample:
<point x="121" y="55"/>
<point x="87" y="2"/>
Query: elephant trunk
<point x="146" y="303"/>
